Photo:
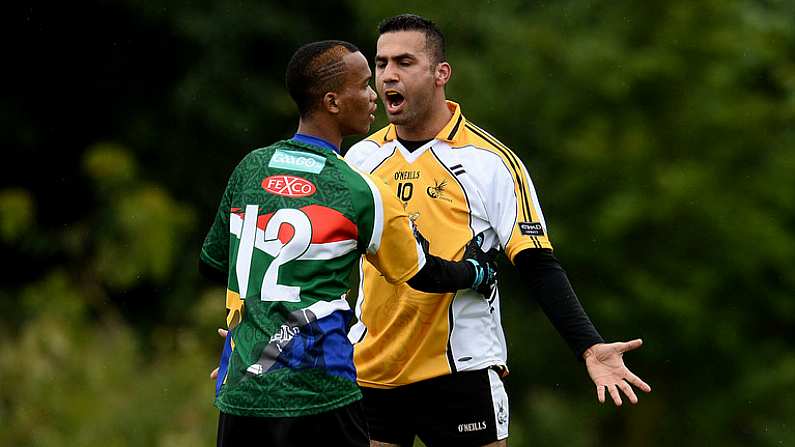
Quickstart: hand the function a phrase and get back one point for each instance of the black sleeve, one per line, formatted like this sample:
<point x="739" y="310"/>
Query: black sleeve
<point x="550" y="287"/>
<point x="212" y="274"/>
<point x="436" y="276"/>
<point x="439" y="275"/>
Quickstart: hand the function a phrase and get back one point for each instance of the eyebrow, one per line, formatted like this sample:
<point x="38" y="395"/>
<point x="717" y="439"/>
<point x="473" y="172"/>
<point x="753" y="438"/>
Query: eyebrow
<point x="398" y="56"/>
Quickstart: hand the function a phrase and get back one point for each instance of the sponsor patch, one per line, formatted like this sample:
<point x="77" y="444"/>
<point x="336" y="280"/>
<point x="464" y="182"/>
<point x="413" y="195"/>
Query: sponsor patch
<point x="297" y="161"/>
<point x="288" y="185"/>
<point x="531" y="228"/>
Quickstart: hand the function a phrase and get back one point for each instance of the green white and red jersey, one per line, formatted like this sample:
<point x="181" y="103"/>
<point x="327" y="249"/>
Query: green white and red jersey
<point x="292" y="224"/>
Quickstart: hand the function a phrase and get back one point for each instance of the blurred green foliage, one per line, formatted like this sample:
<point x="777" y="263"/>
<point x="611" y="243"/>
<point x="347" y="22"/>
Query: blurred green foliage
<point x="659" y="136"/>
<point x="17" y="213"/>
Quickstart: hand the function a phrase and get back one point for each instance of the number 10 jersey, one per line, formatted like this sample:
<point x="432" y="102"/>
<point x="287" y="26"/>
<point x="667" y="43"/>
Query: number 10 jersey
<point x="462" y="183"/>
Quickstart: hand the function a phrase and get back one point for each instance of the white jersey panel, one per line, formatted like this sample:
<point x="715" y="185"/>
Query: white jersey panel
<point x="477" y="339"/>
<point x="489" y="188"/>
<point x="366" y="155"/>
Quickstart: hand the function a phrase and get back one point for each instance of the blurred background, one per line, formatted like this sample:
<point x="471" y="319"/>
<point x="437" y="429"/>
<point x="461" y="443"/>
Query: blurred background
<point x="659" y="134"/>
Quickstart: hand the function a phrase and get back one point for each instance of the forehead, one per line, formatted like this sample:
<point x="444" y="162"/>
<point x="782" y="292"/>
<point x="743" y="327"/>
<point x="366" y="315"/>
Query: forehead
<point x="401" y="42"/>
<point x="356" y="66"/>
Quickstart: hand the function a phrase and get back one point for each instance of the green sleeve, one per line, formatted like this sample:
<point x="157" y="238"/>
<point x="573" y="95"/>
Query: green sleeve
<point x="215" y="250"/>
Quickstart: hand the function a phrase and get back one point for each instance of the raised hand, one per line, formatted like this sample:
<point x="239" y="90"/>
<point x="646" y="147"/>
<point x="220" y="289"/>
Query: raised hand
<point x="605" y="365"/>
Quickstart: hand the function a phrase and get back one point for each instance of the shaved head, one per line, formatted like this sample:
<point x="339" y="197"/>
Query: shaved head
<point x="314" y="70"/>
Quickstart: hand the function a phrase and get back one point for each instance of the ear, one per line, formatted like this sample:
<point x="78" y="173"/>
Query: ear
<point x="331" y="103"/>
<point x="443" y="73"/>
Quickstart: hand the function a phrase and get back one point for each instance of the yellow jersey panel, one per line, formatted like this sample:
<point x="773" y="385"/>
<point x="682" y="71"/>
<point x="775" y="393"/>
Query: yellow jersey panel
<point x="393" y="251"/>
<point x="433" y="199"/>
<point x="406" y="325"/>
<point x="234" y="306"/>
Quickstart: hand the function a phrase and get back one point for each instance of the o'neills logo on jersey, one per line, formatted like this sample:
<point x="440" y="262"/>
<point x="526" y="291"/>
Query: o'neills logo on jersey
<point x="407" y="175"/>
<point x="472" y="426"/>
<point x="288" y="185"/>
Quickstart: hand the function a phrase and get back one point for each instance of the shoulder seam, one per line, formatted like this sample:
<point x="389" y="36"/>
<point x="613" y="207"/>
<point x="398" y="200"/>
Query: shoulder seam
<point x="513" y="161"/>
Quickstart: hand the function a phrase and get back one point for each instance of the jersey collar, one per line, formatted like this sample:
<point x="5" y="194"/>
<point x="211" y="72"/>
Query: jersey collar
<point x="449" y="133"/>
<point x="315" y="141"/>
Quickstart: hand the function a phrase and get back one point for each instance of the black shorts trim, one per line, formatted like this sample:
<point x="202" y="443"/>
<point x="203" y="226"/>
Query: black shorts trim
<point x="452" y="410"/>
<point x="341" y="427"/>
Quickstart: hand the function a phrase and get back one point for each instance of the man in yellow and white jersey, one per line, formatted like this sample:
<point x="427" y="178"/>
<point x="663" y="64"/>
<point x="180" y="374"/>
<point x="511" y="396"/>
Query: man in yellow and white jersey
<point x="431" y="365"/>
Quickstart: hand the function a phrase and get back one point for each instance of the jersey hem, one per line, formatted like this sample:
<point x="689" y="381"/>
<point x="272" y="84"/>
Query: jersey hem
<point x="210" y="260"/>
<point x="283" y="412"/>
<point x="482" y="365"/>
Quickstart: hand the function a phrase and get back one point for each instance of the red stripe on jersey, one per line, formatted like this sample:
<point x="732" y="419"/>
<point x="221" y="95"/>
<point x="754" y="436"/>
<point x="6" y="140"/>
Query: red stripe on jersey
<point x="328" y="225"/>
<point x="286" y="233"/>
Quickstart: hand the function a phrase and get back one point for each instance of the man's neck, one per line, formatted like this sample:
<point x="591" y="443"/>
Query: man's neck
<point x="313" y="128"/>
<point x="427" y="127"/>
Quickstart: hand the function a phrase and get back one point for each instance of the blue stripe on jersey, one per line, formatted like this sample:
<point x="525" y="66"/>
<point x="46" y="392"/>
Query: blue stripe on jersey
<point x="223" y="365"/>
<point x="321" y="344"/>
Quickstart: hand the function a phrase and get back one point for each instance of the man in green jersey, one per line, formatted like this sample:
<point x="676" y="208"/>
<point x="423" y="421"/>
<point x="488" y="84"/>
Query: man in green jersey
<point x="294" y="220"/>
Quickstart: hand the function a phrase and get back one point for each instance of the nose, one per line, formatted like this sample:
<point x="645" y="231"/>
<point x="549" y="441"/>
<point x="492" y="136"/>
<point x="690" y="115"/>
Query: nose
<point x="372" y="94"/>
<point x="389" y="74"/>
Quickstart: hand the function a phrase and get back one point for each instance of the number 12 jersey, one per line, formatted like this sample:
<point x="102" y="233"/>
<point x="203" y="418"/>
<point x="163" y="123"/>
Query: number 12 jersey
<point x="293" y="221"/>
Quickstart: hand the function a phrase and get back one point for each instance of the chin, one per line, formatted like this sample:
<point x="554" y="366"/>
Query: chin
<point x="396" y="120"/>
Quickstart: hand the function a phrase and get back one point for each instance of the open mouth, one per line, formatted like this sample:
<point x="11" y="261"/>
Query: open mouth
<point x="394" y="101"/>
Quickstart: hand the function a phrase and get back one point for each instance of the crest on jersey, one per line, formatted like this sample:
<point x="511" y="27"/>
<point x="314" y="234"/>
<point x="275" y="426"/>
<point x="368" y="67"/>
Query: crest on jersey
<point x="288" y="185"/>
<point x="438" y="190"/>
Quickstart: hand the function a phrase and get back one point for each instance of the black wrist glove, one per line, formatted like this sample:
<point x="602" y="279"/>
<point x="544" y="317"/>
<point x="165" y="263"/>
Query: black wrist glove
<point x="485" y="267"/>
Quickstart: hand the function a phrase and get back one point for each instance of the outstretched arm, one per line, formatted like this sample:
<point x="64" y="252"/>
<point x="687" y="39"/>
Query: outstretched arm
<point x="550" y="287"/>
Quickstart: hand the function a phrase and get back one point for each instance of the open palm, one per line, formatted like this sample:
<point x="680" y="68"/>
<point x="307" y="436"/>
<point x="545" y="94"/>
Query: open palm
<point x="605" y="364"/>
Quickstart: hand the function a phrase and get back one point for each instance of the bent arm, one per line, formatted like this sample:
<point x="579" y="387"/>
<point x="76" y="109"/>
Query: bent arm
<point x="439" y="275"/>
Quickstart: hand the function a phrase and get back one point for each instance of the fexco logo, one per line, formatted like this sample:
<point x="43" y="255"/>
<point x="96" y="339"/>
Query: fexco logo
<point x="288" y="185"/>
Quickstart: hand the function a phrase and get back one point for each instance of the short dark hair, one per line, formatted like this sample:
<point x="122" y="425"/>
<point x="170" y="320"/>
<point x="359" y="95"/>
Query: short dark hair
<point x="315" y="69"/>
<point x="434" y="39"/>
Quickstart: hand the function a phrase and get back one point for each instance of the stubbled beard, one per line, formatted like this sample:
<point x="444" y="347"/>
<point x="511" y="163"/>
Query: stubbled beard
<point x="401" y="119"/>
